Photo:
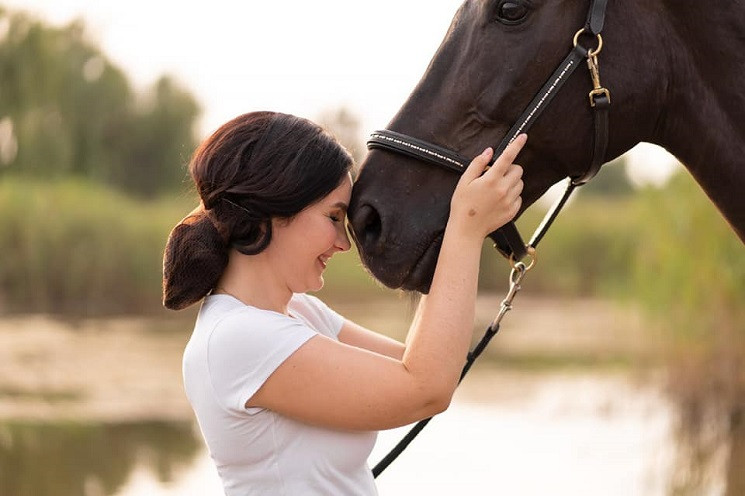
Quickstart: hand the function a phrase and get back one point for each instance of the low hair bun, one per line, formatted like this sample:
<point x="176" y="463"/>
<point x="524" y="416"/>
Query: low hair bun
<point x="195" y="257"/>
<point x="256" y="168"/>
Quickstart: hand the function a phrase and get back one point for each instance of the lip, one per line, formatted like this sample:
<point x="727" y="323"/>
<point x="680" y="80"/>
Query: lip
<point x="323" y="261"/>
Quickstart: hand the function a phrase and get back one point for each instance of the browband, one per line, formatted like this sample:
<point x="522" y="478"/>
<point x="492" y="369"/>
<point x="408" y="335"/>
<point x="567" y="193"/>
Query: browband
<point x="507" y="238"/>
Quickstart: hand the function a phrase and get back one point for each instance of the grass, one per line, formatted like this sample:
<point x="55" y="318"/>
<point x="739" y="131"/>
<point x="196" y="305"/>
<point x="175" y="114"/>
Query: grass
<point x="45" y="395"/>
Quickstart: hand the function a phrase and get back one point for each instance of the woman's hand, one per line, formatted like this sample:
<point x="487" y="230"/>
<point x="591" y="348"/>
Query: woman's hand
<point x="485" y="202"/>
<point x="339" y="385"/>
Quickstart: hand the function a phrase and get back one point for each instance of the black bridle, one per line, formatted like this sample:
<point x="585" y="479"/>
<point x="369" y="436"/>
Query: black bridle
<point x="507" y="238"/>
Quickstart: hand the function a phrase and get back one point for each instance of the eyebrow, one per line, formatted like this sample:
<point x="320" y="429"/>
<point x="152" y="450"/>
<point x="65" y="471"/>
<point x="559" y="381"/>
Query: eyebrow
<point x="341" y="205"/>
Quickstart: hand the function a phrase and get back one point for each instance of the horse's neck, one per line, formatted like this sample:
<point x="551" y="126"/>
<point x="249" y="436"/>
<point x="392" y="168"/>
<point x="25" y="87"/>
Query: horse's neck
<point x="703" y="123"/>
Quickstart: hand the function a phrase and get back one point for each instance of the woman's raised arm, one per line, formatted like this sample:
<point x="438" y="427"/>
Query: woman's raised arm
<point x="339" y="385"/>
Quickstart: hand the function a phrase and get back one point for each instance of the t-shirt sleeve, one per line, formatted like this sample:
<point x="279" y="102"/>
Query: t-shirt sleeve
<point x="245" y="349"/>
<point x="322" y="317"/>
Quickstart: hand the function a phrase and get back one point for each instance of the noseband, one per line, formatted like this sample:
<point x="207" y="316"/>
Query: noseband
<point x="507" y="239"/>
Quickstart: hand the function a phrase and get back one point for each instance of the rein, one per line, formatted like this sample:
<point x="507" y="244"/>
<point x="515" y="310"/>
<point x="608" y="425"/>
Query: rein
<point x="507" y="239"/>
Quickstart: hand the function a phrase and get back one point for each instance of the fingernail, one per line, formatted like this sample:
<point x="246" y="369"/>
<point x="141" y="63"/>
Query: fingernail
<point x="487" y="151"/>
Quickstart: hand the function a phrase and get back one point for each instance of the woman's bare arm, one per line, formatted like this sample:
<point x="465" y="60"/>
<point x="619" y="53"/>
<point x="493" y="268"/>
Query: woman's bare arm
<point x="355" y="335"/>
<point x="334" y="384"/>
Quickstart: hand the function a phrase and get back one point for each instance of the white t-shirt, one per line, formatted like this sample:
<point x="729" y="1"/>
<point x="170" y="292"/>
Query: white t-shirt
<point x="233" y="350"/>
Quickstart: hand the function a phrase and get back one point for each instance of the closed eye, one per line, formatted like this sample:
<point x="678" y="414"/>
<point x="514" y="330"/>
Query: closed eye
<point x="338" y="212"/>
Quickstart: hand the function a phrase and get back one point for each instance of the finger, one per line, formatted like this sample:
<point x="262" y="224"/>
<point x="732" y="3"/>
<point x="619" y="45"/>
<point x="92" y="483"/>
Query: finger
<point x="477" y="165"/>
<point x="514" y="173"/>
<point x="516" y="188"/>
<point x="514" y="170"/>
<point x="509" y="155"/>
<point x="515" y="207"/>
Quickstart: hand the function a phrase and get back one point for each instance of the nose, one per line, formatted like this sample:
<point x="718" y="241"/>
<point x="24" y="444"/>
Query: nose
<point x="366" y="228"/>
<point x="342" y="239"/>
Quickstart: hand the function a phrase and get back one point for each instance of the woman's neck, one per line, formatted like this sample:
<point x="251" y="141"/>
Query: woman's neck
<point x="253" y="281"/>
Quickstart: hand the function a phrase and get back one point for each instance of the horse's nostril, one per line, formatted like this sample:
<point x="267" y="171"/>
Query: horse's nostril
<point x="367" y="226"/>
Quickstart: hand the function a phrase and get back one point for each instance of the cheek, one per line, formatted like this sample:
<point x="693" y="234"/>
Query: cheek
<point x="317" y="240"/>
<point x="326" y="234"/>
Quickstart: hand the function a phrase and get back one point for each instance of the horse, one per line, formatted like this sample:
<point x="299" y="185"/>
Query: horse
<point x="673" y="68"/>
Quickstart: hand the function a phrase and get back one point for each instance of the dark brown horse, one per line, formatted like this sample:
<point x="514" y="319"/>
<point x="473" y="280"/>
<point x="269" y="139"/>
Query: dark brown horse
<point x="675" y="70"/>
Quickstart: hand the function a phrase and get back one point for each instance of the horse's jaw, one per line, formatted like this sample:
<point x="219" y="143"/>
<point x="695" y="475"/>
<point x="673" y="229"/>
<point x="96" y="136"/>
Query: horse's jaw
<point x="397" y="221"/>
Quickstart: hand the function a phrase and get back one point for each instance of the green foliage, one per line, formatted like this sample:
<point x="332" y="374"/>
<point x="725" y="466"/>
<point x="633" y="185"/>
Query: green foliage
<point x="689" y="266"/>
<point x="65" y="109"/>
<point x="586" y="252"/>
<point x="611" y="181"/>
<point x="346" y="279"/>
<point x="76" y="248"/>
<point x="689" y="273"/>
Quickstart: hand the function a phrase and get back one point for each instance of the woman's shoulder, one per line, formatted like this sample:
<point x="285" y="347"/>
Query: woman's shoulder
<point x="223" y="310"/>
<point x="308" y="305"/>
<point x="316" y="313"/>
<point x="226" y="323"/>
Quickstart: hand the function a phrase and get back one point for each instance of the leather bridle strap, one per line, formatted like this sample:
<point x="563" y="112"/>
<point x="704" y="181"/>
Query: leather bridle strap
<point x="507" y="238"/>
<point x="595" y="20"/>
<point x="434" y="154"/>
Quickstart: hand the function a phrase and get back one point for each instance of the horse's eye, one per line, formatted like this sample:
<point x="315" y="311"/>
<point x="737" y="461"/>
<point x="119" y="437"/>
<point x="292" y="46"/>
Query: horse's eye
<point x="512" y="12"/>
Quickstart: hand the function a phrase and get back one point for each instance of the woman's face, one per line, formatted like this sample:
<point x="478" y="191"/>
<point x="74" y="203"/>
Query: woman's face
<point x="301" y="247"/>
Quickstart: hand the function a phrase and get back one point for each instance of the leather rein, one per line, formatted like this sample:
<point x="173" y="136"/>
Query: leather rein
<point x="507" y="239"/>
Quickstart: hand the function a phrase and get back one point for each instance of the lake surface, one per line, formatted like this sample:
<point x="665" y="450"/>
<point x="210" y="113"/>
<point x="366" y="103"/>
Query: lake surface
<point x="549" y="411"/>
<point x="573" y="434"/>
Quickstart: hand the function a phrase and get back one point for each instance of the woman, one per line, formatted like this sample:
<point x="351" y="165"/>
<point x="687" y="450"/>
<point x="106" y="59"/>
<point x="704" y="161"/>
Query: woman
<point x="288" y="394"/>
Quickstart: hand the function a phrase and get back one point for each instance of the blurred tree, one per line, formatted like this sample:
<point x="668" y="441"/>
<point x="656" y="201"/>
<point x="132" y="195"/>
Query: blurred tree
<point x="612" y="180"/>
<point x="689" y="272"/>
<point x="346" y="126"/>
<point x="158" y="140"/>
<point x="65" y="109"/>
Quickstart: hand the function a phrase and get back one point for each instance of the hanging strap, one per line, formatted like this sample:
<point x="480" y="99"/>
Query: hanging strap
<point x="599" y="101"/>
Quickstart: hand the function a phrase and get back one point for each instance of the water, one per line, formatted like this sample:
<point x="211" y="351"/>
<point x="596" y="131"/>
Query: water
<point x="528" y="435"/>
<point x="81" y="459"/>
<point x="567" y="435"/>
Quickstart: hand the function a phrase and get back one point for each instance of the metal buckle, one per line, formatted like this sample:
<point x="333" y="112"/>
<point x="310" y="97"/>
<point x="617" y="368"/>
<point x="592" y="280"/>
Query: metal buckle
<point x="598" y="92"/>
<point x="592" y="64"/>
<point x="590" y="53"/>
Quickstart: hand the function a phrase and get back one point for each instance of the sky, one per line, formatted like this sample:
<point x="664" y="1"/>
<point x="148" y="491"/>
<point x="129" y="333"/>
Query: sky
<point x="296" y="56"/>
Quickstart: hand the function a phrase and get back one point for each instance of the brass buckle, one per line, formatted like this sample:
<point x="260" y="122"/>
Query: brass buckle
<point x="597" y="92"/>
<point x="597" y="88"/>
<point x="531" y="253"/>
<point x="590" y="53"/>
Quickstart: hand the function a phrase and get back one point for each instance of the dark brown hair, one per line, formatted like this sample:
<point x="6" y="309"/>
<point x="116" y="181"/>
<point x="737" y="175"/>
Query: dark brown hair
<point x="257" y="167"/>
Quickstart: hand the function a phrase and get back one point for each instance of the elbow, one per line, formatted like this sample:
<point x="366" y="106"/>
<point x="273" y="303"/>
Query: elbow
<point x="430" y="394"/>
<point x="437" y="401"/>
<point x="441" y="404"/>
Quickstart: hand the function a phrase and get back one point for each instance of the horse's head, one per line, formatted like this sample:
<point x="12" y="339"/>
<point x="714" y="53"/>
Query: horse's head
<point x="495" y="57"/>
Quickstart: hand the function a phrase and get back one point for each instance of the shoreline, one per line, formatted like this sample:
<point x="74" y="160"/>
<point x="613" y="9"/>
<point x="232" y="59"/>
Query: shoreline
<point x="129" y="369"/>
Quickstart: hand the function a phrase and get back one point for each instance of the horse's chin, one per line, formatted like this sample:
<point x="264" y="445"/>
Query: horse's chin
<point x="421" y="274"/>
<point x="416" y="276"/>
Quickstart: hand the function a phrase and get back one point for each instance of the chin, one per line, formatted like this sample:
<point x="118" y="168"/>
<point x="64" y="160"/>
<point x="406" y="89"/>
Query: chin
<point x="317" y="286"/>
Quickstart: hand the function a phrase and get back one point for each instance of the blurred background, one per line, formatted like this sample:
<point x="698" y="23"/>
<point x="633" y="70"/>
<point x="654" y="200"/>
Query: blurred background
<point x="620" y="370"/>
